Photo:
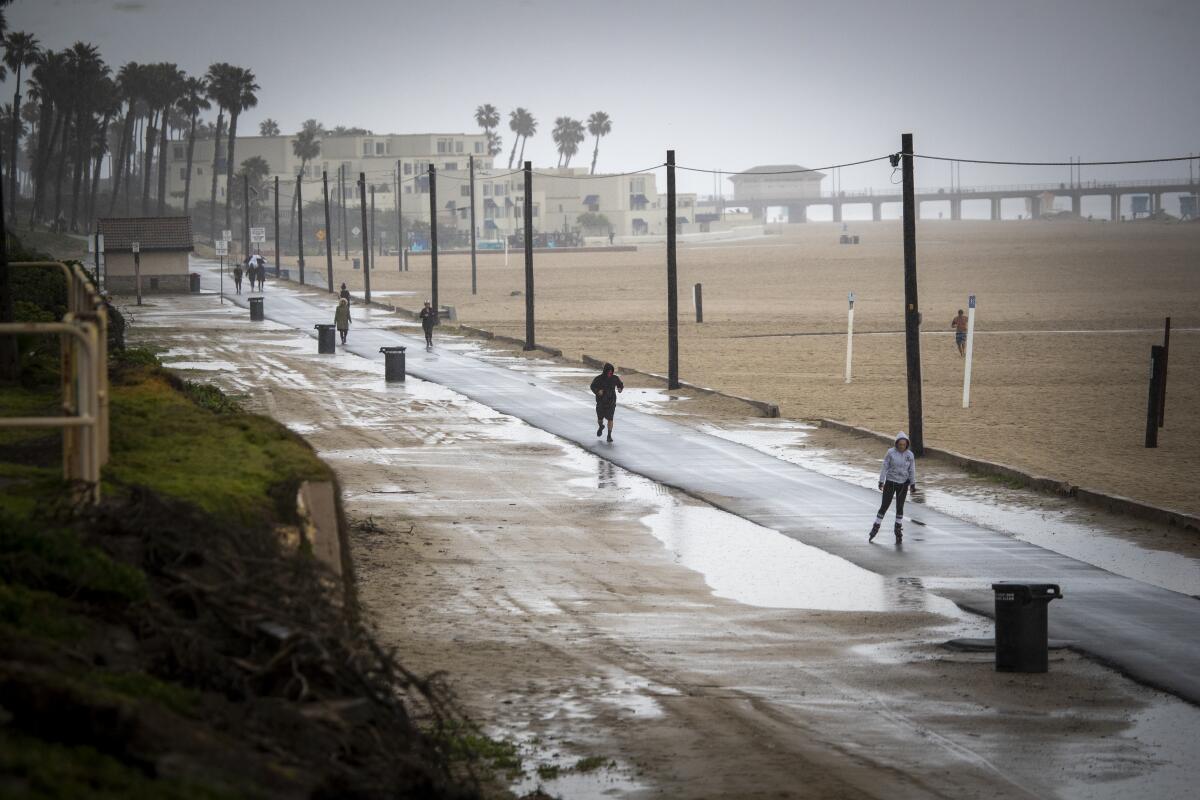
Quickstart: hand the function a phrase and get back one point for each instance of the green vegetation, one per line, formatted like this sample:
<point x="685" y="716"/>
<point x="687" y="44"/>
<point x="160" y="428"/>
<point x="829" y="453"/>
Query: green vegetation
<point x="466" y="743"/>
<point x="592" y="763"/>
<point x="167" y="643"/>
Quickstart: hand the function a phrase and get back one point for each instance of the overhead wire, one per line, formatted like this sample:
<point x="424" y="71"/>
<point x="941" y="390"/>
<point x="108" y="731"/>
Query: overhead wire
<point x="1055" y="163"/>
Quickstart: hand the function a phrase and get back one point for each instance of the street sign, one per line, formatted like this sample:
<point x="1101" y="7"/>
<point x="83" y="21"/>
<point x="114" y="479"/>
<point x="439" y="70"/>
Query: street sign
<point x="222" y="247"/>
<point x="321" y="235"/>
<point x="258" y="235"/>
<point x="355" y="230"/>
<point x="136" y="246"/>
<point x="227" y="235"/>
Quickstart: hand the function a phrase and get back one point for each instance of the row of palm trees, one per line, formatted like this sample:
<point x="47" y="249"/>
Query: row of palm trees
<point x="568" y="133"/>
<point x="78" y="113"/>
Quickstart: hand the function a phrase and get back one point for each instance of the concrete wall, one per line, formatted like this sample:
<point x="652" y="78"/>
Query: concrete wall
<point x="153" y="263"/>
<point x="151" y="284"/>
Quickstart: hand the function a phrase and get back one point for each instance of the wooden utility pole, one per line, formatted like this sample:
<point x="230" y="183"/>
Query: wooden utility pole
<point x="300" y="224"/>
<point x="672" y="287"/>
<point x="245" y="216"/>
<point x="433" y="247"/>
<point x="276" y="227"/>
<point x="471" y="163"/>
<point x="342" y="211"/>
<point x="912" y="309"/>
<point x="374" y="244"/>
<point x="399" y="219"/>
<point x="529" y="340"/>
<point x="366" y="245"/>
<point x="328" y="230"/>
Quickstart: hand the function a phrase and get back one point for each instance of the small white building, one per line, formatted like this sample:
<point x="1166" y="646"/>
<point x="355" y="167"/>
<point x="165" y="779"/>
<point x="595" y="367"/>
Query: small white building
<point x="771" y="182"/>
<point x="163" y="243"/>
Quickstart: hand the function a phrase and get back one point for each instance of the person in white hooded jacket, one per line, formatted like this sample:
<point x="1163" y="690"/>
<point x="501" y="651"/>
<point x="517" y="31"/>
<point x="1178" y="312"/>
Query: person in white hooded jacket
<point x="898" y="475"/>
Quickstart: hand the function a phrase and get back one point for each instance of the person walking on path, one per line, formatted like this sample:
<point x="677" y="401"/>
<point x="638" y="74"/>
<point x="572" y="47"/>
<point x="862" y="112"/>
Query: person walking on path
<point x="605" y="386"/>
<point x="237" y="277"/>
<point x="428" y="320"/>
<point x="960" y="332"/>
<point x="345" y="293"/>
<point x="251" y="272"/>
<point x="899" y="474"/>
<point x="341" y="318"/>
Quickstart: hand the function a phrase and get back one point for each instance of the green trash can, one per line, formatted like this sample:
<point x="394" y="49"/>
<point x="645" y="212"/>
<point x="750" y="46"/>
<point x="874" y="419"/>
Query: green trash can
<point x="1022" y="638"/>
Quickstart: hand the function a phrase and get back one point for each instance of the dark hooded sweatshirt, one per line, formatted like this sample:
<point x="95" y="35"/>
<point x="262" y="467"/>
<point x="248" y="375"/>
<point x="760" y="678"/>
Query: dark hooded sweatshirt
<point x="605" y="386"/>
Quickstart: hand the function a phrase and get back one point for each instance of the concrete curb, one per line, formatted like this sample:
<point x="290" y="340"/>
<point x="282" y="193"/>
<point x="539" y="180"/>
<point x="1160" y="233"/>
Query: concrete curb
<point x="1041" y="483"/>
<point x="763" y="408"/>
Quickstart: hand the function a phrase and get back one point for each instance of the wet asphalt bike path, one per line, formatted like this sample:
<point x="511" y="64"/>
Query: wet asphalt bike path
<point x="1151" y="634"/>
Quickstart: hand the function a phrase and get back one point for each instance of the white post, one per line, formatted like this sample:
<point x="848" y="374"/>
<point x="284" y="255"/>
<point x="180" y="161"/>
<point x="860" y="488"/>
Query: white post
<point x="506" y="251"/>
<point x="849" y="336"/>
<point x="137" y="268"/>
<point x="970" y="345"/>
<point x="222" y="280"/>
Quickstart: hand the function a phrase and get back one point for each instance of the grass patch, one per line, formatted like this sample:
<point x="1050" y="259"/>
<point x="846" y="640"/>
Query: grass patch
<point x="592" y="763"/>
<point x="465" y="743"/>
<point x="37" y="614"/>
<point x="58" y="561"/>
<point x="190" y="442"/>
<point x="140" y="686"/>
<point x="548" y="772"/>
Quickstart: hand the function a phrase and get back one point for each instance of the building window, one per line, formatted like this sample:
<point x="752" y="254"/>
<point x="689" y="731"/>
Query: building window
<point x="501" y="189"/>
<point x="183" y="173"/>
<point x="442" y="145"/>
<point x="178" y="151"/>
<point x="450" y="166"/>
<point x="536" y="209"/>
<point x="464" y="190"/>
<point x="458" y="147"/>
<point x="487" y="190"/>
<point x="478" y="147"/>
<point x="407" y="168"/>
<point x="199" y="170"/>
<point x="379" y="149"/>
<point x="367" y="148"/>
<point x="408" y="190"/>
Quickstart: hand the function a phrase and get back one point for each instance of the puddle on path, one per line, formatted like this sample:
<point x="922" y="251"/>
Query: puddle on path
<point x="1052" y="529"/>
<point x="203" y="366"/>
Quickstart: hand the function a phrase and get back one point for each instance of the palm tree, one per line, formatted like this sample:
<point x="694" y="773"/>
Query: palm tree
<point x="495" y="144"/>
<point x="268" y="127"/>
<point x="567" y="135"/>
<point x="108" y="105"/>
<point x="170" y="88"/>
<point x="598" y="125"/>
<point x="515" y="118"/>
<point x="46" y="88"/>
<point x="191" y="102"/>
<point x="528" y="128"/>
<point x="218" y="78"/>
<point x="20" y="50"/>
<point x="130" y="79"/>
<point x="235" y="93"/>
<point x="307" y="144"/>
<point x="487" y="117"/>
<point x="85" y="68"/>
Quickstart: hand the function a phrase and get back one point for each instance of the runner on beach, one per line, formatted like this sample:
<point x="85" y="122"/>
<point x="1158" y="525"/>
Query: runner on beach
<point x="237" y="277"/>
<point x="899" y="474"/>
<point x="960" y="332"/>
<point x="605" y="386"/>
<point x="344" y="293"/>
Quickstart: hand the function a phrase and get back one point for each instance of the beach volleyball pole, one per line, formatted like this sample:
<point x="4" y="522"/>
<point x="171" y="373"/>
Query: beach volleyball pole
<point x="849" y="336"/>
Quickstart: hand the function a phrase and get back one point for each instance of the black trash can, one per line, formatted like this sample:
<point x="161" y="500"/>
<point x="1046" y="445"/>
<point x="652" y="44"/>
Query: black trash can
<point x="194" y="283"/>
<point x="256" y="309"/>
<point x="393" y="363"/>
<point x="325" y="339"/>
<point x="1021" y="635"/>
<point x="355" y="263"/>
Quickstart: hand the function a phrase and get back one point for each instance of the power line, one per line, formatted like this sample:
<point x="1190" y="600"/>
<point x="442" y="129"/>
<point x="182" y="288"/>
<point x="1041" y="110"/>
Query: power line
<point x="1057" y="163"/>
<point x="597" y="177"/>
<point x="785" y="171"/>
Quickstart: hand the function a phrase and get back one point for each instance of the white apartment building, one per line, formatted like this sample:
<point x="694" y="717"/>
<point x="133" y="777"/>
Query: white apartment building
<point x="631" y="203"/>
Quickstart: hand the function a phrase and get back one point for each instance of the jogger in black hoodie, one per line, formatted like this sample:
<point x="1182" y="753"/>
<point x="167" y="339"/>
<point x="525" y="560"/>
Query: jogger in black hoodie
<point x="605" y="386"/>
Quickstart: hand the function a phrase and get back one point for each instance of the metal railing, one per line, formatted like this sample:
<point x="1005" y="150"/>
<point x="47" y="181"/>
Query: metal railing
<point x="83" y="336"/>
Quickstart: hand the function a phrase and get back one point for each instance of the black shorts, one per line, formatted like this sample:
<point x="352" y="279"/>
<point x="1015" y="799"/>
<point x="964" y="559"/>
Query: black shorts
<point x="606" y="411"/>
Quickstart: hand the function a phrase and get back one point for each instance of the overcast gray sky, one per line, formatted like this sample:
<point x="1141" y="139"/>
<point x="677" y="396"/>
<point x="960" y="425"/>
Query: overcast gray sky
<point x="727" y="84"/>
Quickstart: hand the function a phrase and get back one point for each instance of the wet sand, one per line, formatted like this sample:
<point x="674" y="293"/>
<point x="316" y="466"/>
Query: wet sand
<point x="1067" y="314"/>
<point x="583" y="611"/>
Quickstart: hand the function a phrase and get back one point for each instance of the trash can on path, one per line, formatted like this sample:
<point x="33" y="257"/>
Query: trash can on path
<point x="1021" y="626"/>
<point x="194" y="283"/>
<point x="256" y="309"/>
<point x="393" y="363"/>
<point x="325" y="339"/>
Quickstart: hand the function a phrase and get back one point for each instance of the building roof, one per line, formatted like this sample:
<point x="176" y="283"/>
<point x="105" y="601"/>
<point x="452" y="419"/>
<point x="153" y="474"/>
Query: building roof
<point x="151" y="233"/>
<point x="782" y="172"/>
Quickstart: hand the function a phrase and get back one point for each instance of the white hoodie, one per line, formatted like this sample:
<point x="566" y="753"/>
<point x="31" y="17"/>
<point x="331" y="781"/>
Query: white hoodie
<point x="899" y="466"/>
